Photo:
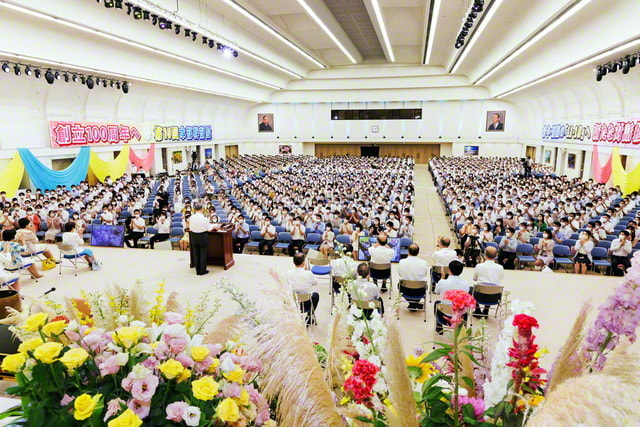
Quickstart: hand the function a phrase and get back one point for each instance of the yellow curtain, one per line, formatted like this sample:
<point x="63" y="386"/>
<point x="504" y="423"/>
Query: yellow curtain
<point x="11" y="176"/>
<point x="100" y="169"/>
<point x="628" y="181"/>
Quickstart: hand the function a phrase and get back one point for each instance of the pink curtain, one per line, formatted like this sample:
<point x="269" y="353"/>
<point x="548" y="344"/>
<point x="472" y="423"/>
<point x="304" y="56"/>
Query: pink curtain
<point x="145" y="163"/>
<point x="601" y="174"/>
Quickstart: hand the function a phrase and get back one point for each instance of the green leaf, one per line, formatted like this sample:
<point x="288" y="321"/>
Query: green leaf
<point x="471" y="356"/>
<point x="436" y="354"/>
<point x="364" y="420"/>
<point x="469" y="382"/>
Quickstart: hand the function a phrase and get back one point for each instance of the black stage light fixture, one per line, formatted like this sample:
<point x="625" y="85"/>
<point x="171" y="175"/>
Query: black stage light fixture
<point x="84" y="80"/>
<point x="146" y="14"/>
<point x="57" y="75"/>
<point x="478" y="6"/>
<point x="599" y="73"/>
<point x="28" y="71"/>
<point x="154" y="19"/>
<point x="104" y="82"/>
<point x="66" y="77"/>
<point x="204" y="40"/>
<point x="137" y="13"/>
<point x="75" y="78"/>
<point x="187" y="32"/>
<point x="211" y="43"/>
<point x="613" y="67"/>
<point x="129" y="8"/>
<point x="632" y="60"/>
<point x="112" y="83"/>
<point x="125" y="87"/>
<point x="118" y="4"/>
<point x="169" y="25"/>
<point x="117" y="85"/>
<point x="194" y="35"/>
<point x="38" y="73"/>
<point x="235" y="53"/>
<point x="177" y="29"/>
<point x="162" y="23"/>
<point x="16" y="70"/>
<point x="626" y="65"/>
<point x="90" y="83"/>
<point x="109" y="3"/>
<point x="49" y="77"/>
<point x="6" y="68"/>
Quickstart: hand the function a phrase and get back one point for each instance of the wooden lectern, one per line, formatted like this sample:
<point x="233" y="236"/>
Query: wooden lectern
<point x="220" y="250"/>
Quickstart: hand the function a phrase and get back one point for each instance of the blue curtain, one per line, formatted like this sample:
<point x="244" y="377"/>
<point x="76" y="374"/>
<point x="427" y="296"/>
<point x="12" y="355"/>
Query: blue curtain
<point x="46" y="179"/>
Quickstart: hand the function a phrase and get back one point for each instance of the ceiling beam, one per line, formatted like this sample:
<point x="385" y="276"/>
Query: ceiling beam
<point x="377" y="19"/>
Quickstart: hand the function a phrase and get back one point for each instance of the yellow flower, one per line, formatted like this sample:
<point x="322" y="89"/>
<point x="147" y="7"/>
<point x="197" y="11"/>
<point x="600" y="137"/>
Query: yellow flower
<point x="48" y="352"/>
<point x="127" y="419"/>
<point x="74" y="358"/>
<point x="185" y="375"/>
<point x="128" y="336"/>
<point x="30" y="345"/>
<point x="206" y="388"/>
<point x="54" y="329"/>
<point x="228" y="411"/>
<point x="35" y="322"/>
<point x="214" y="365"/>
<point x="243" y="400"/>
<point x="236" y="376"/>
<point x="89" y="330"/>
<point x="344" y="400"/>
<point x="418" y="370"/>
<point x="14" y="362"/>
<point x="84" y="405"/>
<point x="535" y="400"/>
<point x="199" y="353"/>
<point x="171" y="369"/>
<point x="540" y="353"/>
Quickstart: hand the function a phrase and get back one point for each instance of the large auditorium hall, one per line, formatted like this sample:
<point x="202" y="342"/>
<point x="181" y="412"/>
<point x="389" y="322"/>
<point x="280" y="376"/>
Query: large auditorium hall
<point x="309" y="213"/>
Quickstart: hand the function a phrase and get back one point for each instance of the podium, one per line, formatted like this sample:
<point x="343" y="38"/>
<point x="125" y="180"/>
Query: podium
<point x="220" y="248"/>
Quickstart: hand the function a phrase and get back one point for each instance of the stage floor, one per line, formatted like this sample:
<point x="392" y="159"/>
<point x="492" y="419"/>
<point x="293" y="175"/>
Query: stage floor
<point x="557" y="297"/>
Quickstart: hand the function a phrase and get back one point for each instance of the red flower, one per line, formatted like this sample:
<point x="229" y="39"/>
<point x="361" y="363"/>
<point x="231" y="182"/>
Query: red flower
<point x="361" y="391"/>
<point x="61" y="317"/>
<point x="460" y="300"/>
<point x="524" y="321"/>
<point x="364" y="368"/>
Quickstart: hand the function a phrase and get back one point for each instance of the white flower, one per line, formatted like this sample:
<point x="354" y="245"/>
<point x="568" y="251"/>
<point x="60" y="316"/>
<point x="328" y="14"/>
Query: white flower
<point x="176" y="330"/>
<point x="122" y="359"/>
<point x="139" y="372"/>
<point x="142" y="348"/>
<point x="114" y="348"/>
<point x="122" y="320"/>
<point x="195" y="340"/>
<point x="138" y="324"/>
<point x="191" y="416"/>
<point x="227" y="365"/>
<point x="73" y="326"/>
<point x="375" y="360"/>
<point x="230" y="345"/>
<point x="155" y="331"/>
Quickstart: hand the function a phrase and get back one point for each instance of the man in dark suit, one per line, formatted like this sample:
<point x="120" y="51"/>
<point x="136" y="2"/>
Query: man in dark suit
<point x="264" y="125"/>
<point x="496" y="124"/>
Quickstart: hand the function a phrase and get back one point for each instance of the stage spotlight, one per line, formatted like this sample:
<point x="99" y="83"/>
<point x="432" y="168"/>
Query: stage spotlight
<point x="187" y="32"/>
<point x="129" y="8"/>
<point x="626" y="65"/>
<point x="632" y="61"/>
<point x="118" y="4"/>
<point x="599" y="73"/>
<point x="613" y="67"/>
<point x="16" y="70"/>
<point x="154" y="18"/>
<point x="162" y="24"/>
<point x="112" y="83"/>
<point x="6" y="68"/>
<point x="235" y="53"/>
<point x="146" y="14"/>
<point x="49" y="77"/>
<point x="90" y="83"/>
<point x="66" y="77"/>
<point x="117" y="85"/>
<point x="84" y="80"/>
<point x="125" y="87"/>
<point x="109" y="3"/>
<point x="177" y="29"/>
<point x="204" y="40"/>
<point x="104" y="82"/>
<point x="478" y="5"/>
<point x="137" y="13"/>
<point x="28" y="71"/>
<point x="75" y="78"/>
<point x="194" y="35"/>
<point x="57" y="75"/>
<point x="169" y="25"/>
<point x="211" y="43"/>
<point x="38" y="73"/>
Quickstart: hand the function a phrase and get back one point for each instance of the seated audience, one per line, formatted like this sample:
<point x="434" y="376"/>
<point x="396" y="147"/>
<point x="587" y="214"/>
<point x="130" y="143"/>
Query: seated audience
<point x="26" y="236"/>
<point x="454" y="281"/>
<point x="488" y="272"/>
<point x="70" y="237"/>
<point x="135" y="229"/>
<point x="11" y="256"/>
<point x="620" y="250"/>
<point x="544" y="249"/>
<point x="364" y="290"/>
<point x="268" y="233"/>
<point x="583" y="247"/>
<point x="301" y="280"/>
<point x="508" y="246"/>
<point x="413" y="268"/>
<point x="344" y="267"/>
<point x="242" y="234"/>
<point x="163" y="225"/>
<point x="381" y="253"/>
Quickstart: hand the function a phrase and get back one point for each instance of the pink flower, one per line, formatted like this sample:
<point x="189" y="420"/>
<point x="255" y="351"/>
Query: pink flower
<point x="175" y="411"/>
<point x="66" y="399"/>
<point x="109" y="366"/>
<point x="176" y="344"/>
<point x="215" y="349"/>
<point x="231" y="390"/>
<point x="250" y="364"/>
<point x="478" y="405"/>
<point x="162" y="351"/>
<point x="113" y="407"/>
<point x="186" y="361"/>
<point x="200" y="367"/>
<point x="141" y="409"/>
<point x="173" y="318"/>
<point x="72" y="336"/>
<point x="150" y="363"/>
<point x="143" y="390"/>
<point x="460" y="302"/>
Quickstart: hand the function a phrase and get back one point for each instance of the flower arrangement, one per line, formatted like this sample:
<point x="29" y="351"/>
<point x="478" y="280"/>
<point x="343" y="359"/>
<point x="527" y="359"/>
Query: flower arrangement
<point x="153" y="373"/>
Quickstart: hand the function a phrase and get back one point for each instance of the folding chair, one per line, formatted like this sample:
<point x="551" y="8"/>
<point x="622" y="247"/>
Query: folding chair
<point x="488" y="295"/>
<point x="284" y="238"/>
<point x="301" y="298"/>
<point x="562" y="254"/>
<point x="254" y="240"/>
<point x="367" y="306"/>
<point x="379" y="268"/>
<point x="320" y="266"/>
<point x="343" y="239"/>
<point x="600" y="258"/>
<point x="418" y="285"/>
<point x="71" y="258"/>
<point x="525" y="253"/>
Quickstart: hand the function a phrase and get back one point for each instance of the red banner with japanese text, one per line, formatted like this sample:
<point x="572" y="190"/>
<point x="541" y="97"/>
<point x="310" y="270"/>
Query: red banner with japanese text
<point x="72" y="134"/>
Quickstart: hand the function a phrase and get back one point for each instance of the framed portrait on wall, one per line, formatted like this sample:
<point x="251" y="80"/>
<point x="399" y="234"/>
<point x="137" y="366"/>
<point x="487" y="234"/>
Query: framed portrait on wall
<point x="285" y="149"/>
<point x="176" y="157"/>
<point x="496" y="121"/>
<point x="208" y="153"/>
<point x="571" y="161"/>
<point x="547" y="156"/>
<point x="265" y="122"/>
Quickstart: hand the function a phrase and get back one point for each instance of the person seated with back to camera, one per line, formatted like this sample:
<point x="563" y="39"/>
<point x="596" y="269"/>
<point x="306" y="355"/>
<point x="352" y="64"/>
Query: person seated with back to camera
<point x="413" y="268"/>
<point x="490" y="273"/>
<point x="381" y="254"/>
<point x="442" y="256"/>
<point x="343" y="266"/>
<point x="12" y="254"/>
<point x="70" y="237"/>
<point x="301" y="280"/>
<point x="364" y="290"/>
<point x="454" y="281"/>
<point x="26" y="236"/>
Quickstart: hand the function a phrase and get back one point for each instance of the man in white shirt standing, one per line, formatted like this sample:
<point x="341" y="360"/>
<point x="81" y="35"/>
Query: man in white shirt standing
<point x="199" y="240"/>
<point x="414" y="269"/>
<point x="488" y="273"/>
<point x="381" y="254"/>
<point x="301" y="280"/>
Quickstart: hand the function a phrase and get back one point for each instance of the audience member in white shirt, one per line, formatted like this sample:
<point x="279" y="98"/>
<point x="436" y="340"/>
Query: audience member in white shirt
<point x="364" y="290"/>
<point x="453" y="282"/>
<point x="442" y="257"/>
<point x="620" y="251"/>
<point x="297" y="236"/>
<point x="343" y="267"/>
<point x="136" y="229"/>
<point x="163" y="224"/>
<point x="488" y="273"/>
<point x="583" y="248"/>
<point x="268" y="233"/>
<point x="70" y="237"/>
<point x="413" y="268"/>
<point x="301" y="280"/>
<point x="381" y="254"/>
